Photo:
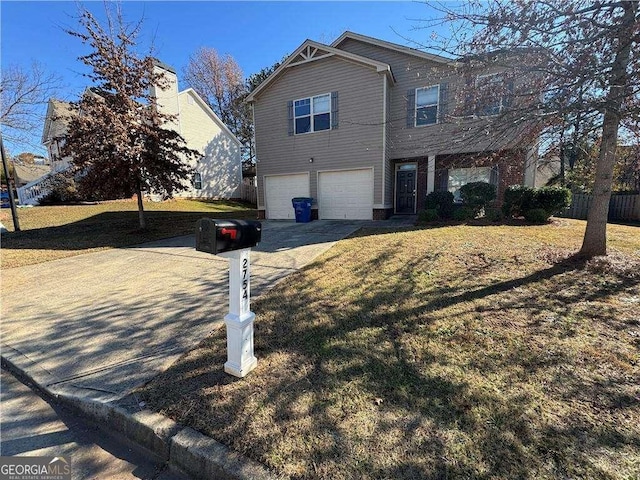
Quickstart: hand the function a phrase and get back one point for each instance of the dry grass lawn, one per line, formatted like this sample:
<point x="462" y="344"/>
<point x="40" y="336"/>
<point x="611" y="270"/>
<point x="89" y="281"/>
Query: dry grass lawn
<point x="49" y="233"/>
<point x="451" y="352"/>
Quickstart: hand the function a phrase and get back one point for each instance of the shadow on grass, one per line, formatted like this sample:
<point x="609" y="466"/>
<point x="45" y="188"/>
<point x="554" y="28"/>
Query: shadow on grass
<point x="347" y="387"/>
<point x="112" y="229"/>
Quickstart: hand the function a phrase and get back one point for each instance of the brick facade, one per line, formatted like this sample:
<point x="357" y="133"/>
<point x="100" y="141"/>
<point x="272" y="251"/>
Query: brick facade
<point x="510" y="167"/>
<point x="382" y="213"/>
<point x="421" y="191"/>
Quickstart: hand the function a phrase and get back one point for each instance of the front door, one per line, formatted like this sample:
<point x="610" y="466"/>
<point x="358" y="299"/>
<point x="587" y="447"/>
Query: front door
<point x="406" y="190"/>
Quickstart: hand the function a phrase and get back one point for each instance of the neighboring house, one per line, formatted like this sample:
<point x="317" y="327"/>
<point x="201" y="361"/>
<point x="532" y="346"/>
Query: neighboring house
<point x="368" y="128"/>
<point x="217" y="173"/>
<point x="54" y="131"/>
<point x="25" y="173"/>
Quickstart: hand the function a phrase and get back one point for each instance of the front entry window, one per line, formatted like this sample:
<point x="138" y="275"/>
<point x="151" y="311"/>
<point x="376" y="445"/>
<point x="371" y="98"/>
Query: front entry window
<point x="407" y="166"/>
<point x="461" y="176"/>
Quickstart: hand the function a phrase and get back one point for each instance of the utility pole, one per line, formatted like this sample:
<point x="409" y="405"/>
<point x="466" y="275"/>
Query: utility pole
<point x="12" y="201"/>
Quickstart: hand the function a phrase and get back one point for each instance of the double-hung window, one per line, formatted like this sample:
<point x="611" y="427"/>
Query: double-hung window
<point x="427" y="105"/>
<point x="491" y="93"/>
<point x="312" y="114"/>
<point x="196" y="181"/>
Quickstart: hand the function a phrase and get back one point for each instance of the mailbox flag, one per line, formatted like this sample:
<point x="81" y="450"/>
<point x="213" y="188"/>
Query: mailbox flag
<point x="217" y="236"/>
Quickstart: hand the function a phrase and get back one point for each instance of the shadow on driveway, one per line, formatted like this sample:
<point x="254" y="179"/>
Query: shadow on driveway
<point x="103" y="323"/>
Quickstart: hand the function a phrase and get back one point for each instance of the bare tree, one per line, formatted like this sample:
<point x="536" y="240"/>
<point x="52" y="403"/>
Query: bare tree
<point x="24" y="94"/>
<point x="219" y="81"/>
<point x="582" y="60"/>
<point x="117" y="136"/>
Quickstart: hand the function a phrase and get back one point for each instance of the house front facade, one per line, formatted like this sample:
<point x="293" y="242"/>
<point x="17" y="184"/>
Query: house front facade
<point x="368" y="128"/>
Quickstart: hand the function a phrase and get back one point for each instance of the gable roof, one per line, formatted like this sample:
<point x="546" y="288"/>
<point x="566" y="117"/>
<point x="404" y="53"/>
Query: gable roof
<point x="55" y="124"/>
<point x="59" y="113"/>
<point x="26" y="173"/>
<point x="207" y="109"/>
<point x="164" y="66"/>
<point x="391" y="46"/>
<point x="311" y="51"/>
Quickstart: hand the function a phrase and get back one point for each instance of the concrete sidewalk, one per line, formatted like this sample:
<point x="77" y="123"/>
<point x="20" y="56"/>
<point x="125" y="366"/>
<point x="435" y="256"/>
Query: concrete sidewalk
<point x="96" y="326"/>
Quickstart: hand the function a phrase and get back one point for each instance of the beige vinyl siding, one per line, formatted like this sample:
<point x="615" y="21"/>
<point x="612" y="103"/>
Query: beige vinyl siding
<point x="389" y="168"/>
<point x="356" y="143"/>
<point x="454" y="136"/>
<point x="220" y="164"/>
<point x="167" y="96"/>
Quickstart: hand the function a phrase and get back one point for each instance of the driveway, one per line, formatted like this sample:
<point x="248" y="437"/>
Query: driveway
<point x="100" y="324"/>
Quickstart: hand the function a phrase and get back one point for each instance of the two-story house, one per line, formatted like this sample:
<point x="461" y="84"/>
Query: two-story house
<point x="368" y="128"/>
<point x="217" y="172"/>
<point x="54" y="131"/>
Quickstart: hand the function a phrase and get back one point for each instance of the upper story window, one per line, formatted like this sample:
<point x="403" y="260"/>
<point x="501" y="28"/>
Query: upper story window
<point x="427" y="105"/>
<point x="491" y="94"/>
<point x="312" y="114"/>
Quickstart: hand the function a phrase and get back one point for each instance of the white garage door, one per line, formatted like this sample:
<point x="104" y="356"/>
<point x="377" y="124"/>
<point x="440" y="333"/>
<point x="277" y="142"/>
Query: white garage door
<point x="345" y="194"/>
<point x="280" y="189"/>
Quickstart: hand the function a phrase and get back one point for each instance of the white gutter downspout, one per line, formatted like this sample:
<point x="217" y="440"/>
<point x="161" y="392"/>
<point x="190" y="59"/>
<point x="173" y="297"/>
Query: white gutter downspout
<point x="384" y="139"/>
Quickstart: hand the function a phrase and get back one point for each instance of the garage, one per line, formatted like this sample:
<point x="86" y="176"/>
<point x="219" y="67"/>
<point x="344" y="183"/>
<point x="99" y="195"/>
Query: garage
<point x="345" y="194"/>
<point x="280" y="189"/>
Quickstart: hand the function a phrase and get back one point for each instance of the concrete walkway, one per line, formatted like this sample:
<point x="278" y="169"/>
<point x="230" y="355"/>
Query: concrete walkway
<point x="98" y="325"/>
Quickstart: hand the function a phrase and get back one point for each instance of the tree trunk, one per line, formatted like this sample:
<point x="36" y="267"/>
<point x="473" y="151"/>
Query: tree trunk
<point x="7" y="176"/>
<point x="595" y="236"/>
<point x="143" y="223"/>
<point x="562" y="169"/>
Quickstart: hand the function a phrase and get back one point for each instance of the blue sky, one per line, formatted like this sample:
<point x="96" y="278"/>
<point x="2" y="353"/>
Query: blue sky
<point x="256" y="34"/>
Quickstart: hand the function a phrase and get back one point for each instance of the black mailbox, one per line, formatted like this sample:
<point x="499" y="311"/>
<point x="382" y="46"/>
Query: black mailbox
<point x="217" y="236"/>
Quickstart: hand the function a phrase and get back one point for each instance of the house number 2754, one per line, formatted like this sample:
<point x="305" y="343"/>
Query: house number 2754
<point x="245" y="280"/>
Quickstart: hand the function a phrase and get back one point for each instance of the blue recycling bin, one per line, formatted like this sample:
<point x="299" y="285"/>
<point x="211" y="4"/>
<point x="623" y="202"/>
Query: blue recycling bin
<point x="302" y="207"/>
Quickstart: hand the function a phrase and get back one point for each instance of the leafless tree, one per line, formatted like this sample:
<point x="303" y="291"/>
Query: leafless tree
<point x="581" y="59"/>
<point x="219" y="80"/>
<point x="24" y="95"/>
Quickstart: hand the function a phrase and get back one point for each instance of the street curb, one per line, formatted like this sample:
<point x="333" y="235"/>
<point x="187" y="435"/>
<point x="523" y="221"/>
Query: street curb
<point x="183" y="448"/>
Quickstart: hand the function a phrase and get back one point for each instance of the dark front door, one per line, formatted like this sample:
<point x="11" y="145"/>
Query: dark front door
<point x="406" y="191"/>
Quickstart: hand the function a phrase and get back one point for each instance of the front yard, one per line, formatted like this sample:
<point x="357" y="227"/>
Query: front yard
<point x="452" y="352"/>
<point x="49" y="233"/>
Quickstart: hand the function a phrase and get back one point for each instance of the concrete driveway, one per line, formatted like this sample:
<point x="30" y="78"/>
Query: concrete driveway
<point x="100" y="324"/>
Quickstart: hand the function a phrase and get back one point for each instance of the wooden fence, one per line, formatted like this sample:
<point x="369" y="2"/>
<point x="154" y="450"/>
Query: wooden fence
<point x="249" y="193"/>
<point x="621" y="207"/>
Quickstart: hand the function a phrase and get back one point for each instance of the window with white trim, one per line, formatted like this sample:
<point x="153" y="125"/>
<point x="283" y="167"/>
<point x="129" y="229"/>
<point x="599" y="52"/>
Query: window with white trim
<point x="197" y="181"/>
<point x="427" y="105"/>
<point x="312" y="114"/>
<point x="491" y="94"/>
<point x="461" y="176"/>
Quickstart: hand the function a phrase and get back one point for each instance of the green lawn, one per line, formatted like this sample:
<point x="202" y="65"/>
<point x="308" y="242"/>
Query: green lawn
<point x="49" y="233"/>
<point x="480" y="352"/>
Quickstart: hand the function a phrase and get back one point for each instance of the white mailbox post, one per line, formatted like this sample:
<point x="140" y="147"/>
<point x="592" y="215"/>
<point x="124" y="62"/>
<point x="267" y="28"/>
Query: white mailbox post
<point x="239" y="320"/>
<point x="234" y="239"/>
